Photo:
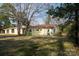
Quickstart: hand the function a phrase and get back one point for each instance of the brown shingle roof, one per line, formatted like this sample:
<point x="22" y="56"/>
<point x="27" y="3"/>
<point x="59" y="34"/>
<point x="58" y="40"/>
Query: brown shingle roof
<point x="44" y="26"/>
<point x="47" y="26"/>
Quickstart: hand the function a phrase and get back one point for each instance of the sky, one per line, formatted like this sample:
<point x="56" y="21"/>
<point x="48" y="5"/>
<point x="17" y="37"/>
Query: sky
<point x="42" y="16"/>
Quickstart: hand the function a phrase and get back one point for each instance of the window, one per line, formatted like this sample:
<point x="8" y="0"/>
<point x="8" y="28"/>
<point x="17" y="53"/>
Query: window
<point x="54" y="30"/>
<point x="48" y="33"/>
<point x="40" y="29"/>
<point x="7" y="31"/>
<point x="12" y="30"/>
<point x="3" y="31"/>
<point x="23" y="29"/>
<point x="37" y="29"/>
<point x="30" y="30"/>
<point x="48" y="30"/>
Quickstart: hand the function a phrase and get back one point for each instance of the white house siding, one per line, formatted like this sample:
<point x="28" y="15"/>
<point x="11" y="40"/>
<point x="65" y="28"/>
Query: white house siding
<point x="45" y="32"/>
<point x="42" y="32"/>
<point x="10" y="31"/>
<point x="35" y="32"/>
<point x="15" y="31"/>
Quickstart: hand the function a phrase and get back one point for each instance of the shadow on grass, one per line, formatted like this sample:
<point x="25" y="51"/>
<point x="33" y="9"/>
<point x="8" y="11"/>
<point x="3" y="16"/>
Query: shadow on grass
<point x="13" y="47"/>
<point x="61" y="49"/>
<point x="17" y="47"/>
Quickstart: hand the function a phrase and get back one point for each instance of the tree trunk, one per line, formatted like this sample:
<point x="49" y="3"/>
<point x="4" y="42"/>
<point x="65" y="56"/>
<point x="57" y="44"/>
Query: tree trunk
<point x="27" y="29"/>
<point x="76" y="27"/>
<point x="18" y="27"/>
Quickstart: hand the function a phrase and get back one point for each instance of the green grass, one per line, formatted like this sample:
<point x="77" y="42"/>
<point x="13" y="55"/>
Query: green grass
<point x="37" y="46"/>
<point x="8" y="34"/>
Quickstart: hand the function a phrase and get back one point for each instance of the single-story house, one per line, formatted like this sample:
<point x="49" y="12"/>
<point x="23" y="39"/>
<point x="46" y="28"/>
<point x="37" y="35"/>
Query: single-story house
<point x="44" y="29"/>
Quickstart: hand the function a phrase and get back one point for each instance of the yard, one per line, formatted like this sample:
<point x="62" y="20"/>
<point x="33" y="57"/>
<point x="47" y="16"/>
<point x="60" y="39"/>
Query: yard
<point x="37" y="46"/>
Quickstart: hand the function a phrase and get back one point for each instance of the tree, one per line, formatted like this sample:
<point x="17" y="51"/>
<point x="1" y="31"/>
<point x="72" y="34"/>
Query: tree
<point x="10" y="10"/>
<point x="69" y="11"/>
<point x="72" y="15"/>
<point x="29" y="12"/>
<point x="4" y="19"/>
<point x="4" y="16"/>
<point x="57" y="14"/>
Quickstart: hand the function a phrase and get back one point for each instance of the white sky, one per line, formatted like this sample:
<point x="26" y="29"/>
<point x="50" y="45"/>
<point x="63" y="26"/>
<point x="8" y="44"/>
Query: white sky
<point x="39" y="1"/>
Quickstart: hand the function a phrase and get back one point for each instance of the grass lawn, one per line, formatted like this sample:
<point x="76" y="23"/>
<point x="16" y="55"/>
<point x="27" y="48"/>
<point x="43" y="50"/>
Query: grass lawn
<point x="7" y="34"/>
<point x="37" y="46"/>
